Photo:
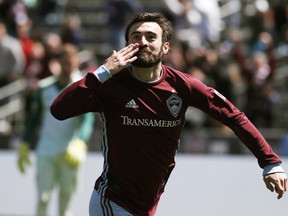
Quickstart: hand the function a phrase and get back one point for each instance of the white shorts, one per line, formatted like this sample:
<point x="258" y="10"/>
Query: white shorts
<point x="53" y="172"/>
<point x="101" y="206"/>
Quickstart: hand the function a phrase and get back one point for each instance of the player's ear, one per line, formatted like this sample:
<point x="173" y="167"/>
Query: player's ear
<point x="166" y="48"/>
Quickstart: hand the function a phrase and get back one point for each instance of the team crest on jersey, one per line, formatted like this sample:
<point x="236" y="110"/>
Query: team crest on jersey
<point x="174" y="104"/>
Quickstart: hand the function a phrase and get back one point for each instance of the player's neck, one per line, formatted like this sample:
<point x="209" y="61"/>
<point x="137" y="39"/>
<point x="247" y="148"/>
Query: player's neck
<point x="147" y="74"/>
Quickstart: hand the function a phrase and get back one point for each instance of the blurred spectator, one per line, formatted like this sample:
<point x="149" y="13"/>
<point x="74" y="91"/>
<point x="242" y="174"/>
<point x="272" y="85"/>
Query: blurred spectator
<point x="19" y="12"/>
<point x="211" y="24"/>
<point x="186" y="21"/>
<point x="51" y="11"/>
<point x="230" y="13"/>
<point x="61" y="146"/>
<point x="260" y="94"/>
<point x="12" y="59"/>
<point x="196" y="23"/>
<point x="53" y="47"/>
<point x="282" y="47"/>
<point x="119" y="11"/>
<point x="72" y="31"/>
<point x="216" y="68"/>
<point x="175" y="57"/>
<point x="23" y="30"/>
<point x="264" y="43"/>
<point x="14" y="12"/>
<point x="34" y="71"/>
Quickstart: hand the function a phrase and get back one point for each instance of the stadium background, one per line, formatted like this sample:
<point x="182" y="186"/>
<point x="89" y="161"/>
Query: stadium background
<point x="204" y="145"/>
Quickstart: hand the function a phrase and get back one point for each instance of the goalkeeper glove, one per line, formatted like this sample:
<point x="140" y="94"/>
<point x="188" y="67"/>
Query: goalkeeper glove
<point x="75" y="153"/>
<point x="23" y="157"/>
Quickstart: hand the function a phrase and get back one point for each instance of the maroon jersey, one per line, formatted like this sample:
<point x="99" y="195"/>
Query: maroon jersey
<point x="141" y="130"/>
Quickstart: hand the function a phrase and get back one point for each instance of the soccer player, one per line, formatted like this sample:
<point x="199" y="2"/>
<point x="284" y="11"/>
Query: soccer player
<point x="61" y="146"/>
<point x="142" y="104"/>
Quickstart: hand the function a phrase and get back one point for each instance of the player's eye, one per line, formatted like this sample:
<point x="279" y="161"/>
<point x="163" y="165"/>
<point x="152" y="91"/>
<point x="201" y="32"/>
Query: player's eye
<point x="151" y="37"/>
<point x="136" y="37"/>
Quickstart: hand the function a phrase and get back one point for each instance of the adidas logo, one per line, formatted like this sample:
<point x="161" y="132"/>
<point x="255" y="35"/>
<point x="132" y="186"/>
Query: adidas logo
<point x="131" y="104"/>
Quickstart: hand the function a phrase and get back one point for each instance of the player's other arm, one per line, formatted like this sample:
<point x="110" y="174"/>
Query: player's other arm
<point x="216" y="105"/>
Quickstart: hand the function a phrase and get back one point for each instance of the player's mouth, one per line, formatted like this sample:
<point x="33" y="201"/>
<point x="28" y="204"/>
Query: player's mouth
<point x="143" y="50"/>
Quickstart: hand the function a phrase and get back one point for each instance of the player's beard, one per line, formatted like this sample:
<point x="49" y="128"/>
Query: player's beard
<point x="146" y="58"/>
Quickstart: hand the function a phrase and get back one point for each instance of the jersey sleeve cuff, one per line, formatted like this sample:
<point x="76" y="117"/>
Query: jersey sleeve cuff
<point x="273" y="168"/>
<point x="102" y="74"/>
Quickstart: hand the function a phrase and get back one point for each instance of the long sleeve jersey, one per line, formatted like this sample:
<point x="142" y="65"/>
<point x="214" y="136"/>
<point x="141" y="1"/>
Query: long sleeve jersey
<point x="142" y="123"/>
<point x="54" y="136"/>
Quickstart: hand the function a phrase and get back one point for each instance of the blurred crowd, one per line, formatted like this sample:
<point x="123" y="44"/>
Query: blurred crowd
<point x="30" y="53"/>
<point x="235" y="46"/>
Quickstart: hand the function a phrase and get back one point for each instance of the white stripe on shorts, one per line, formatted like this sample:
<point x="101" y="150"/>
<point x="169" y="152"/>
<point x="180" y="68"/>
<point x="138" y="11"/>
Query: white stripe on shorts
<point x="106" y="207"/>
<point x="101" y="206"/>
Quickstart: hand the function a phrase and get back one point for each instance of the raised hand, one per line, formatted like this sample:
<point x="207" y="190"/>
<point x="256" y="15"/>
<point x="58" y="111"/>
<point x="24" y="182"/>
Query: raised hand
<point x="119" y="60"/>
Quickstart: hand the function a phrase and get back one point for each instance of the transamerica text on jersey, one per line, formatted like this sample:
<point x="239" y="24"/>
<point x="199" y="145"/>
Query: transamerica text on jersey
<point x="149" y="122"/>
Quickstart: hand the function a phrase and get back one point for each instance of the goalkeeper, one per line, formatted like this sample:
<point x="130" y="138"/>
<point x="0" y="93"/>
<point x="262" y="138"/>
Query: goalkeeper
<point x="61" y="145"/>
